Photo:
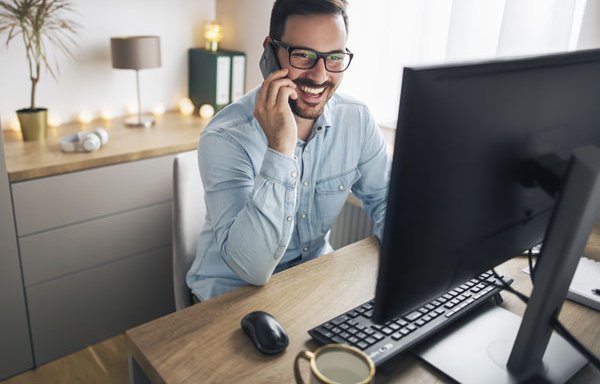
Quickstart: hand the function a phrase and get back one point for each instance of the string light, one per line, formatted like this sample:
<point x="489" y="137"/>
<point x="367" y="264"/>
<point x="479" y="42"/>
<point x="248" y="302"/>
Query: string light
<point x="186" y="107"/>
<point x="54" y="120"/>
<point x="158" y="109"/>
<point x="84" y="117"/>
<point x="206" y="111"/>
<point x="106" y="114"/>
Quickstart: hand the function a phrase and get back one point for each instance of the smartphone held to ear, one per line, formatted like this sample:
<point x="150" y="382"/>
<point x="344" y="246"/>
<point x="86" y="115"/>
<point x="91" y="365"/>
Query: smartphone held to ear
<point x="268" y="61"/>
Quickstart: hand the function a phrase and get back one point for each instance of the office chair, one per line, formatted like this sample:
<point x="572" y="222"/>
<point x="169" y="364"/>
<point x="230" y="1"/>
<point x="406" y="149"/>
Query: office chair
<point x="189" y="213"/>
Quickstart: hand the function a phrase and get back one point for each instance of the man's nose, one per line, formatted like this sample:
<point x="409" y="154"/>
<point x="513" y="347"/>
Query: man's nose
<point x="318" y="73"/>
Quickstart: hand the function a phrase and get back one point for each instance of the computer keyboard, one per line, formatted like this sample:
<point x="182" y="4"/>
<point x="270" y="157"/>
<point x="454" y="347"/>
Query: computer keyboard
<point x="382" y="342"/>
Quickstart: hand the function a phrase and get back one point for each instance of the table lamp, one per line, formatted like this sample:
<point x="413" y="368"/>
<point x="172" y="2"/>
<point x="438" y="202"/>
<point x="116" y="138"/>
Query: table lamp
<point x="213" y="34"/>
<point x="136" y="52"/>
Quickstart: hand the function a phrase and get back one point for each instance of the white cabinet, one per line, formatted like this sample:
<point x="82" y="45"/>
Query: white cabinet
<point x="96" y="252"/>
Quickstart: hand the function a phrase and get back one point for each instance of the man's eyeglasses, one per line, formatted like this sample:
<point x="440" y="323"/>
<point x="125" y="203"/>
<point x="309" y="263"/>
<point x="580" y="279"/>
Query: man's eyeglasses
<point x="306" y="58"/>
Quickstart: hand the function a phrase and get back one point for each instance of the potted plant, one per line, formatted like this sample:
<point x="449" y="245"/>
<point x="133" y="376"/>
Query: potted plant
<point x="37" y="23"/>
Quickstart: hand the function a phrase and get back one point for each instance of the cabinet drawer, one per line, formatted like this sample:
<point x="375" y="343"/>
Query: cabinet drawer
<point x="73" y="312"/>
<point x="79" y="196"/>
<point x="63" y="251"/>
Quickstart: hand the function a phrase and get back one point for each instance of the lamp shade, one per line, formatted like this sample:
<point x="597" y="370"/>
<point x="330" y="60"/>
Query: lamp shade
<point x="135" y="52"/>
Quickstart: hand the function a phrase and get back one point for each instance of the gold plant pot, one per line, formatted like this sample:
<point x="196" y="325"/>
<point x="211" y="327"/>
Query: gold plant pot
<point x="33" y="123"/>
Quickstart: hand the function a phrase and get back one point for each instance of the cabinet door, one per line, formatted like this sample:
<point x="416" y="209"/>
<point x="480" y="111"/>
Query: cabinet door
<point x="15" y="345"/>
<point x="84" y="308"/>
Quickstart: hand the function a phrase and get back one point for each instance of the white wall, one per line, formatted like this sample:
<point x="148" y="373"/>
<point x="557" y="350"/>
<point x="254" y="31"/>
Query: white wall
<point x="89" y="82"/>
<point x="245" y="25"/>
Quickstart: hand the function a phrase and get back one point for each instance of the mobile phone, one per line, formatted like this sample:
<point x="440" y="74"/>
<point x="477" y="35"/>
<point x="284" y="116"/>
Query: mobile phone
<point x="268" y="61"/>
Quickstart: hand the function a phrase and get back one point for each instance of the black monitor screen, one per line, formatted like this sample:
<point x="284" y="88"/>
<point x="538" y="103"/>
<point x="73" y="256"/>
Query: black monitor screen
<point x="461" y="199"/>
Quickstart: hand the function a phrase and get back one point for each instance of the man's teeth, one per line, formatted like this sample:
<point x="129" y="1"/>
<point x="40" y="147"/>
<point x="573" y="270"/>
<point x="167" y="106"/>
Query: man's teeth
<point x="314" y="91"/>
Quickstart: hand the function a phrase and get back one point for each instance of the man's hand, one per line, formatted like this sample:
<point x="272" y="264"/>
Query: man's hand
<point x="274" y="113"/>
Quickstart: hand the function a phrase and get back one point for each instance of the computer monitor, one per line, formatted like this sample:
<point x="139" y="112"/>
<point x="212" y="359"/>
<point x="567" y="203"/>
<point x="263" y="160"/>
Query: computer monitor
<point x="481" y="158"/>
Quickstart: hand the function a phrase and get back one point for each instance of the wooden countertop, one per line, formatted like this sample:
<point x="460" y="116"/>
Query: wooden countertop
<point x="172" y="133"/>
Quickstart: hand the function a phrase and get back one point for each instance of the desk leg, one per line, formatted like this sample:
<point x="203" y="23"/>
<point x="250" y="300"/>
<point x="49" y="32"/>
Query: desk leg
<point x="136" y="374"/>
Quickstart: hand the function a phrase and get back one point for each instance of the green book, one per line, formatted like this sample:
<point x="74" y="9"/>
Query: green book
<point x="215" y="78"/>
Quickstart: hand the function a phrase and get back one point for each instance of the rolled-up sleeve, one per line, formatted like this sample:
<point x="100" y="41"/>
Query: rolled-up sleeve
<point x="252" y="214"/>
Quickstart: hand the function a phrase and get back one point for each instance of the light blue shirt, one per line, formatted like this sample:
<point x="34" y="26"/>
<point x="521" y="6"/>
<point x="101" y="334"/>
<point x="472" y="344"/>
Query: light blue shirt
<point x="267" y="211"/>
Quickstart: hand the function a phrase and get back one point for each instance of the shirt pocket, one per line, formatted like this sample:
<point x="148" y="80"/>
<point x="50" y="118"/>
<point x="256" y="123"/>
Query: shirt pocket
<point x="331" y="194"/>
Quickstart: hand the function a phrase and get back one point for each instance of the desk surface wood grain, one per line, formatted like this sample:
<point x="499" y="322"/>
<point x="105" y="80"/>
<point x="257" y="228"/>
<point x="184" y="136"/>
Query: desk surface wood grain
<point x="172" y="133"/>
<point x="204" y="343"/>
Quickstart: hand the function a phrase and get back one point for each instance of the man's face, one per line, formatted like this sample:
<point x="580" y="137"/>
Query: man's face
<point x="323" y="33"/>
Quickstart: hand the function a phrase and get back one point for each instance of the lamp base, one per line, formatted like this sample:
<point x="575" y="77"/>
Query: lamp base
<point x="135" y="121"/>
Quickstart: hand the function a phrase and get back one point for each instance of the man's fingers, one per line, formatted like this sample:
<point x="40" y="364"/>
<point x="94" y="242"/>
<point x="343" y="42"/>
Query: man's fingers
<point x="263" y="93"/>
<point x="276" y="87"/>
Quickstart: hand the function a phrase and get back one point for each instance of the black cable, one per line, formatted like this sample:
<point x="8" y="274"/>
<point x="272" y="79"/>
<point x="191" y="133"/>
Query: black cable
<point x="554" y="322"/>
<point x="564" y="332"/>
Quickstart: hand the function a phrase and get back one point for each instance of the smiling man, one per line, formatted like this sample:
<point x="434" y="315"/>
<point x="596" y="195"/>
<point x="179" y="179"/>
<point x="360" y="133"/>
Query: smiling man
<point x="278" y="164"/>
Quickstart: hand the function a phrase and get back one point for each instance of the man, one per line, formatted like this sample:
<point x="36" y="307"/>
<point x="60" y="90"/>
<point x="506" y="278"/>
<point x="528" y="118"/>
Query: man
<point x="277" y="165"/>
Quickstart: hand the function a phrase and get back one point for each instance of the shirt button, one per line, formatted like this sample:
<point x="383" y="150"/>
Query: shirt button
<point x="305" y="183"/>
<point x="341" y="187"/>
<point x="294" y="174"/>
<point x="303" y="215"/>
<point x="305" y="249"/>
<point x="289" y="218"/>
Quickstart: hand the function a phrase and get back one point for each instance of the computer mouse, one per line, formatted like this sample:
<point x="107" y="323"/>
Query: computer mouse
<point x="267" y="335"/>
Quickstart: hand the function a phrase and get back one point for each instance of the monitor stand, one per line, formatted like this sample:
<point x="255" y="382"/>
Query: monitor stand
<point x="477" y="350"/>
<point x="480" y="350"/>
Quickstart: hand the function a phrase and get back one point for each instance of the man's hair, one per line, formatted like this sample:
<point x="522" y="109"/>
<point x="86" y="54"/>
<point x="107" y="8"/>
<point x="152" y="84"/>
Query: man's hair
<point x="284" y="8"/>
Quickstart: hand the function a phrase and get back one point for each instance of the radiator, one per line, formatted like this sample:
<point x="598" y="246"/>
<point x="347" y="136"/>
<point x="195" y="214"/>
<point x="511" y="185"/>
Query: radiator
<point x="352" y="224"/>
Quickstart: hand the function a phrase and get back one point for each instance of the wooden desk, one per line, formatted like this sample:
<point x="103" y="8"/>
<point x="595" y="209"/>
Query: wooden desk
<point x="204" y="343"/>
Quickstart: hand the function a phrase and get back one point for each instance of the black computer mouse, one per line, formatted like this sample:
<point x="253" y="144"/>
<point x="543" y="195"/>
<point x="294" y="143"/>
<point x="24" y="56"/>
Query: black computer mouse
<point x="267" y="335"/>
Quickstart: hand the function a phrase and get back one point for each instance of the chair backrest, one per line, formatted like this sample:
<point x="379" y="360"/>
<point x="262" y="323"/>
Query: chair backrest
<point x="189" y="213"/>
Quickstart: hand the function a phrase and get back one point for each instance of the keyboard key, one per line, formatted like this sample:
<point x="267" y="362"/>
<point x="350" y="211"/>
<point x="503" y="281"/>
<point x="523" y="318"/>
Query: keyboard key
<point x="353" y="339"/>
<point x="328" y="326"/>
<point x="413" y="316"/>
<point x="423" y="310"/>
<point x="324" y="332"/>
<point x="442" y="299"/>
<point x="464" y="287"/>
<point x="352" y="314"/>
<point x="411" y="327"/>
<point x="368" y="331"/>
<point x="426" y="318"/>
<point x="344" y="335"/>
<point x="440" y="310"/>
<point x="387" y="331"/>
<point x="339" y="340"/>
<point x="397" y="336"/>
<point x="394" y="326"/>
<point x="361" y="335"/>
<point x="351" y="322"/>
<point x="362" y="345"/>
<point x="406" y="331"/>
<point x="420" y="323"/>
<point x="370" y="340"/>
<point x="378" y="336"/>
<point x="353" y="331"/>
<point x="436" y="303"/>
<point x="344" y="326"/>
<point x="401" y="322"/>
<point x="340" y="319"/>
<point x="368" y="314"/>
<point x="430" y="306"/>
<point x="367" y="306"/>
